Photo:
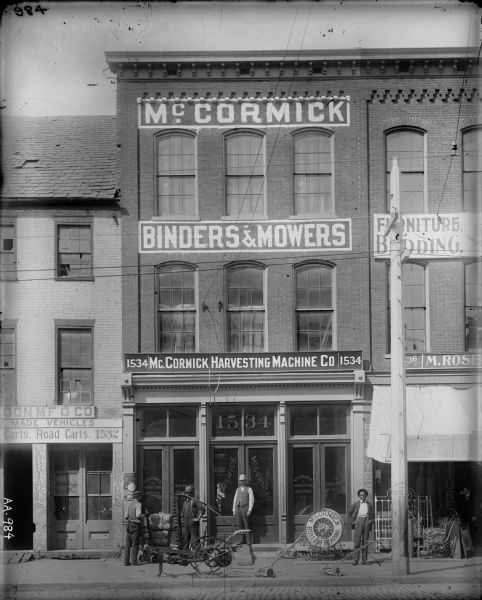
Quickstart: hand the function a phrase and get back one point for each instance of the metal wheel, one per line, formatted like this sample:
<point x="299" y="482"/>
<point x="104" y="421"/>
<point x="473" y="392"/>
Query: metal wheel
<point x="210" y="555"/>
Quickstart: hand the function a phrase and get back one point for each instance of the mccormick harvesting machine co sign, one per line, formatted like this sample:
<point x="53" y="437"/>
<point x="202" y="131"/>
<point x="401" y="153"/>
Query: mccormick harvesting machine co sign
<point x="254" y="112"/>
<point x="224" y="236"/>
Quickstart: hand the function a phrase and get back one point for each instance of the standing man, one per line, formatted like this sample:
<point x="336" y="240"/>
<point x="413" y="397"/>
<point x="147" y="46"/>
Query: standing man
<point x="362" y="513"/>
<point x="132" y="521"/>
<point x="243" y="506"/>
<point x="191" y="513"/>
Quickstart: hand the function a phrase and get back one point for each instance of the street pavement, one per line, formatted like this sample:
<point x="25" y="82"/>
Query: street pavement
<point x="295" y="579"/>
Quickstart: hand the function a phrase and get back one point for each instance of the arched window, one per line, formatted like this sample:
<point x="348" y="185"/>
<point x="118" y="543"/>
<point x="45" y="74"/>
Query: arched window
<point x="473" y="306"/>
<point x="408" y="146"/>
<point x="176" y="308"/>
<point x="245" y="170"/>
<point x="246" y="309"/>
<point x="176" y="168"/>
<point x="472" y="169"/>
<point x="313" y="173"/>
<point x="314" y="308"/>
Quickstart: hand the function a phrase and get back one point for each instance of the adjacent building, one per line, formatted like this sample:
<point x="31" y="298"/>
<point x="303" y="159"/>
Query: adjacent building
<point x="60" y="335"/>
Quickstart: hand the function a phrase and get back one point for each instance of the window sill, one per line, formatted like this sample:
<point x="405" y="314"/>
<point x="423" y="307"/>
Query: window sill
<point x="244" y="217"/>
<point x="76" y="279"/>
<point x="304" y="216"/>
<point x="174" y="218"/>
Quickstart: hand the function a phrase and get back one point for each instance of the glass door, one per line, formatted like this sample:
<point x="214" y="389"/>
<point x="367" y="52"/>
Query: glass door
<point x="164" y="472"/>
<point x="318" y="479"/>
<point x="81" y="510"/>
<point x="257" y="462"/>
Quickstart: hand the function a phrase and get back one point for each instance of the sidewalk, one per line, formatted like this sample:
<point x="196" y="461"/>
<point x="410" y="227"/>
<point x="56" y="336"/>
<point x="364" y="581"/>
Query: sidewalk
<point x="288" y="572"/>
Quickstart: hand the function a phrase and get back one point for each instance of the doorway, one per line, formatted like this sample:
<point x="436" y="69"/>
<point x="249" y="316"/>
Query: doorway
<point x="318" y="478"/>
<point x="18" y="490"/>
<point x="258" y="463"/>
<point x="81" y="497"/>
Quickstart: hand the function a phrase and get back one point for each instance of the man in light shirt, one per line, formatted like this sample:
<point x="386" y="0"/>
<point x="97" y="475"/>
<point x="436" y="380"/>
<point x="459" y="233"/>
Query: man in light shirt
<point x="362" y="513"/>
<point x="243" y="506"/>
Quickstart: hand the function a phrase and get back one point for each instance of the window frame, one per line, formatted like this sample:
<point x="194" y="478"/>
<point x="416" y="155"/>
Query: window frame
<point x="4" y="274"/>
<point x="331" y="137"/>
<point x="478" y="307"/>
<point x="194" y="214"/>
<point x="229" y="135"/>
<point x="238" y="266"/>
<point x="9" y="372"/>
<point x="304" y="266"/>
<point x="426" y="348"/>
<point x="60" y="327"/>
<point x="183" y="266"/>
<point x="478" y="131"/>
<point x="414" y="130"/>
<point x="73" y="224"/>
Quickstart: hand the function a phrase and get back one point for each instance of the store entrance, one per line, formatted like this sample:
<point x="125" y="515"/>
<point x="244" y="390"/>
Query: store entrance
<point x="165" y="470"/>
<point x="318" y="478"/>
<point x="258" y="463"/>
<point x="81" y="492"/>
<point x="18" y="526"/>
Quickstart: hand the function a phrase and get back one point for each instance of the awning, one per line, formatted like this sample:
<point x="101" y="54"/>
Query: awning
<point x="443" y="424"/>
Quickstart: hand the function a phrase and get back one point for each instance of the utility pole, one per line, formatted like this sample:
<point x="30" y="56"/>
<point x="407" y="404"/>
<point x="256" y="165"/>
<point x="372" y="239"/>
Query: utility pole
<point x="400" y="563"/>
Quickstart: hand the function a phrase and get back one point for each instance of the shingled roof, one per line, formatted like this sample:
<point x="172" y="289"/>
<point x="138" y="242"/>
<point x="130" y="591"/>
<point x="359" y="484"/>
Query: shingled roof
<point x="62" y="157"/>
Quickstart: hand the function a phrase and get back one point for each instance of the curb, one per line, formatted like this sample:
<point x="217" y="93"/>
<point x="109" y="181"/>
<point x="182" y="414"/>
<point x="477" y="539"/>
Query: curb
<point x="167" y="581"/>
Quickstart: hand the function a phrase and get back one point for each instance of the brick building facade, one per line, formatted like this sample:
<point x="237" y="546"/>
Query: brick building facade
<point x="256" y="196"/>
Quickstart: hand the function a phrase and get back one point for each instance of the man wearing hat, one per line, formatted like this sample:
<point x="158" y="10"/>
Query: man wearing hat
<point x="132" y="521"/>
<point x="362" y="513"/>
<point x="191" y="513"/>
<point x="243" y="505"/>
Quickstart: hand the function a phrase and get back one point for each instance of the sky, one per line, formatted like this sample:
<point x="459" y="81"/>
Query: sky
<point x="53" y="62"/>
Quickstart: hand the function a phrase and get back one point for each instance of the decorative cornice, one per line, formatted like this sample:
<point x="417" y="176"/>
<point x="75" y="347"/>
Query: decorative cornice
<point x="403" y="95"/>
<point x="200" y="382"/>
<point x="425" y="62"/>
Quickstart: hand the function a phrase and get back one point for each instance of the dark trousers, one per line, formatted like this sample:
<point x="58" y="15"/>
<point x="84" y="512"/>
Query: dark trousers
<point x="190" y="533"/>
<point x="132" y="542"/>
<point x="242" y="521"/>
<point x="362" y="532"/>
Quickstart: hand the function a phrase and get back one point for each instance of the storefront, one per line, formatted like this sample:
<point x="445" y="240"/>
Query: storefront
<point x="444" y="449"/>
<point x="70" y="494"/>
<point x="295" y="433"/>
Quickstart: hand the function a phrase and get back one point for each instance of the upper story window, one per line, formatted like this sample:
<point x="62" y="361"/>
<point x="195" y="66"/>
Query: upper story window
<point x="414" y="307"/>
<point x="246" y="309"/>
<point x="473" y="306"/>
<point x="314" y="308"/>
<point x="472" y="169"/>
<point x="75" y="363"/>
<point x="176" y="175"/>
<point x="74" y="251"/>
<point x="408" y="146"/>
<point x="313" y="173"/>
<point x="8" y="254"/>
<point x="176" y="308"/>
<point x="7" y="366"/>
<point x="245" y="171"/>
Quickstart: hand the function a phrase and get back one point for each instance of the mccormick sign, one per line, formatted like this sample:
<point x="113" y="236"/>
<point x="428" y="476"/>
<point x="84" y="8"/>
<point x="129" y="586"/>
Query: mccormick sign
<point x="254" y="112"/>
<point x="224" y="236"/>
<point x="432" y="235"/>
<point x="349" y="360"/>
